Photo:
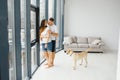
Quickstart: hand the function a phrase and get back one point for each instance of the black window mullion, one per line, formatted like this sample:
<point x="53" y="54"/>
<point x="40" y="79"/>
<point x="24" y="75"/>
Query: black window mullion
<point x="27" y="37"/>
<point x="46" y="9"/>
<point x="55" y="9"/>
<point x="4" y="47"/>
<point x="37" y="35"/>
<point x="17" y="38"/>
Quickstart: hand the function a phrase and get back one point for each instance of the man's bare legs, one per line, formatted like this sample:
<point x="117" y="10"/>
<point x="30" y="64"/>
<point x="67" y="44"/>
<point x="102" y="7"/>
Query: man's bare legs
<point x="53" y="58"/>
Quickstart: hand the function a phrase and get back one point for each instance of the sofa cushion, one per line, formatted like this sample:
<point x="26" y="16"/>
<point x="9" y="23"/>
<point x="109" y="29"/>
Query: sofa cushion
<point x="94" y="46"/>
<point x="67" y="40"/>
<point x="83" y="45"/>
<point x="91" y="39"/>
<point x="73" y="45"/>
<point x="82" y="40"/>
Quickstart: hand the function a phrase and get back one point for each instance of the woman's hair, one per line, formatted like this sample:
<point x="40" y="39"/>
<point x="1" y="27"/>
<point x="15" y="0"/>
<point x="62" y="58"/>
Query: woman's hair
<point x="42" y="26"/>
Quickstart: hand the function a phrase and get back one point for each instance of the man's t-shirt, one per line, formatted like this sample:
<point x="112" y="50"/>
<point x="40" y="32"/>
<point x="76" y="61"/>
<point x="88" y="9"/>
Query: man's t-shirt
<point x="54" y="29"/>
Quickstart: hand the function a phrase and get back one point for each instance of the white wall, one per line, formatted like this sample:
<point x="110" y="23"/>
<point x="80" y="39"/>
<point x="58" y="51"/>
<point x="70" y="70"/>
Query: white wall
<point x="118" y="69"/>
<point x="94" y="18"/>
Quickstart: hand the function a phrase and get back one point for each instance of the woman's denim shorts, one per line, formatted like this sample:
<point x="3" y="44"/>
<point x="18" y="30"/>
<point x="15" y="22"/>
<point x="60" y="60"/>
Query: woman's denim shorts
<point x="49" y="47"/>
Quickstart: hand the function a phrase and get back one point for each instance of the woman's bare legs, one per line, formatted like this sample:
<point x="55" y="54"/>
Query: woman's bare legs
<point x="50" y="59"/>
<point x="46" y="55"/>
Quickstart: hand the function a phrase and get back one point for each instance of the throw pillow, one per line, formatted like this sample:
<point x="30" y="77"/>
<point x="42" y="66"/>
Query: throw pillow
<point x="96" y="42"/>
<point x="67" y="40"/>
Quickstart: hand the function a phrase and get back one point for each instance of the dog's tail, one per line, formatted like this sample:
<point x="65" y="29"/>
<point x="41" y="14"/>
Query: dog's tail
<point x="88" y="50"/>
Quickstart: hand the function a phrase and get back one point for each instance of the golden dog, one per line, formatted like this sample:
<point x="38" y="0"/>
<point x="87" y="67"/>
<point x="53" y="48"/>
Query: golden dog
<point x="76" y="56"/>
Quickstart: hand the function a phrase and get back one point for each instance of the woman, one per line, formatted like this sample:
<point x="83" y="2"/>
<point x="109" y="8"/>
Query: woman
<point x="46" y="41"/>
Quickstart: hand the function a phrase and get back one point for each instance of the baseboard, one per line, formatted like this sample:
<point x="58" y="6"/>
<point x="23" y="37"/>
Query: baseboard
<point x="111" y="50"/>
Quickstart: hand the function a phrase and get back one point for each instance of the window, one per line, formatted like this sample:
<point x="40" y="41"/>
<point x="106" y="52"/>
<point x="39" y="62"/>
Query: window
<point x="24" y="54"/>
<point x="42" y="16"/>
<point x="33" y="38"/>
<point x="42" y="10"/>
<point x="33" y="2"/>
<point x="60" y="23"/>
<point x="50" y="8"/>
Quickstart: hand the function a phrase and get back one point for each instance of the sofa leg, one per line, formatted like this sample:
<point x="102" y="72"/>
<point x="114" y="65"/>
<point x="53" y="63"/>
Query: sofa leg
<point x="101" y="52"/>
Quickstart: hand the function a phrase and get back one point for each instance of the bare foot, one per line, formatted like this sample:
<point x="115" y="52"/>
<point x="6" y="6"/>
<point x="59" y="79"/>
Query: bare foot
<point x="52" y="64"/>
<point x="80" y="64"/>
<point x="73" y="68"/>
<point x="49" y="66"/>
<point x="85" y="66"/>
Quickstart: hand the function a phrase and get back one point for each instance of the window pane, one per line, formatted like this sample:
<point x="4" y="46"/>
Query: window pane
<point x="50" y="8"/>
<point x="11" y="56"/>
<point x="10" y="37"/>
<point x="33" y="25"/>
<point x="42" y="10"/>
<point x="23" y="56"/>
<point x="59" y="23"/>
<point x="23" y="42"/>
<point x="33" y="2"/>
<point x="33" y="37"/>
<point x="33" y="58"/>
<point x="41" y="54"/>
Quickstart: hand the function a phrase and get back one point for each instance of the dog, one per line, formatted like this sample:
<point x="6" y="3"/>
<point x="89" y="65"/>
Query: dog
<point x="77" y="56"/>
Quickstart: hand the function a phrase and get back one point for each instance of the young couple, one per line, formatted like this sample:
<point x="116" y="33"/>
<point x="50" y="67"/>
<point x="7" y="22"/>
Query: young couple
<point x="48" y="34"/>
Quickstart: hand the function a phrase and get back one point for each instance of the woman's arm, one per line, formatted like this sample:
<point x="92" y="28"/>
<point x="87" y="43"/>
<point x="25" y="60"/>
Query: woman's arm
<point x="41" y="37"/>
<point x="48" y="37"/>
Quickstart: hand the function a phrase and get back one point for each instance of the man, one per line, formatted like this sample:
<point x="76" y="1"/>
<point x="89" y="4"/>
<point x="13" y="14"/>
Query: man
<point x="54" y="35"/>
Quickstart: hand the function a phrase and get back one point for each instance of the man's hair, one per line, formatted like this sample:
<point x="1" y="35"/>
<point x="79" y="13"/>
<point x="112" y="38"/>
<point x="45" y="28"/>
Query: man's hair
<point x="51" y="19"/>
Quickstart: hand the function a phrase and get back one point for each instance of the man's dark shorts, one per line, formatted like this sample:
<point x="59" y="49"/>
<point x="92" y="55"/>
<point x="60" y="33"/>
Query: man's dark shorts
<point x="53" y="45"/>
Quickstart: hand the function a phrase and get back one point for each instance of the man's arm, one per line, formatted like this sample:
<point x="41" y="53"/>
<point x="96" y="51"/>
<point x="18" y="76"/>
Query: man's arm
<point x="54" y="34"/>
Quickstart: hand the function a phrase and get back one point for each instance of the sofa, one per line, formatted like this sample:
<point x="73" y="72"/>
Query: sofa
<point x="77" y="43"/>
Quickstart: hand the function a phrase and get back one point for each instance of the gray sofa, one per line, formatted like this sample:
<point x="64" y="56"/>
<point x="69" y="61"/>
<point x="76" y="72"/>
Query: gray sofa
<point x="77" y="43"/>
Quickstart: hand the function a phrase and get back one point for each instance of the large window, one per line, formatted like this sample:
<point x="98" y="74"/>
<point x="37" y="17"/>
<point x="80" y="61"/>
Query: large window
<point x="24" y="17"/>
<point x="56" y="10"/>
<point x="23" y="44"/>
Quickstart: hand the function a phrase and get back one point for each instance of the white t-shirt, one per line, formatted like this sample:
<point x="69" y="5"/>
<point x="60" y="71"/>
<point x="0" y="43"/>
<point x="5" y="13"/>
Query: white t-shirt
<point x="54" y="29"/>
<point x="44" y="35"/>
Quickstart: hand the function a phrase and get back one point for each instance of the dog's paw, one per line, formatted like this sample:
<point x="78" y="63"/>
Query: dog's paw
<point x="74" y="68"/>
<point x="85" y="66"/>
